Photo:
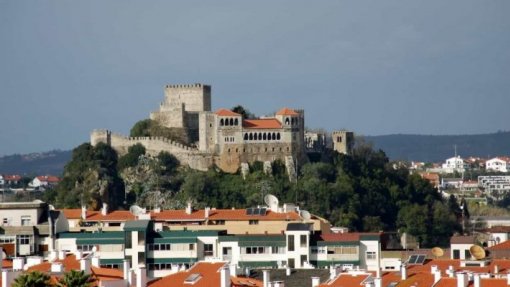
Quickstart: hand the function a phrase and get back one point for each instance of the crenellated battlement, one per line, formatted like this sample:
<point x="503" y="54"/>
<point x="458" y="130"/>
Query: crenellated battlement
<point x="186" y="86"/>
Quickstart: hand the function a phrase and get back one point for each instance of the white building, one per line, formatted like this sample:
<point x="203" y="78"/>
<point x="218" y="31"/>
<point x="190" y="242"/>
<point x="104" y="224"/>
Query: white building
<point x="2" y="180"/>
<point x="454" y="164"/>
<point x="498" y="164"/>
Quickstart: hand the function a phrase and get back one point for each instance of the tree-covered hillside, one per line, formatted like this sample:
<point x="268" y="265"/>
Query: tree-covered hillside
<point x="363" y="192"/>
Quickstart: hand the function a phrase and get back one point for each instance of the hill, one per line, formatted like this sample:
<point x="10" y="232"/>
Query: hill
<point x="51" y="162"/>
<point x="430" y="148"/>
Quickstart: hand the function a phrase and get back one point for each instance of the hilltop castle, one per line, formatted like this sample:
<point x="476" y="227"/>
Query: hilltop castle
<point x="222" y="138"/>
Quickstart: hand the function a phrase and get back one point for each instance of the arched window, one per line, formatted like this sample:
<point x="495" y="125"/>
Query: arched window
<point x="226" y="122"/>
<point x="274" y="136"/>
<point x="287" y="121"/>
<point x="221" y="122"/>
<point x="245" y="137"/>
<point x="278" y="136"/>
<point x="264" y="136"/>
<point x="251" y="136"/>
<point x="260" y="136"/>
<point x="231" y="122"/>
<point x="236" y="122"/>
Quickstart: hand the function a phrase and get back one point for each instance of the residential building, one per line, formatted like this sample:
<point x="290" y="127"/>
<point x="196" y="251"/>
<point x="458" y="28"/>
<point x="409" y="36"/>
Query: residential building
<point x="498" y="164"/>
<point x="454" y="164"/>
<point x="495" y="186"/>
<point x="44" y="181"/>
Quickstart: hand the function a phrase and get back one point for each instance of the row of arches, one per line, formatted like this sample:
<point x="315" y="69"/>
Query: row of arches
<point x="262" y="136"/>
<point x="229" y="122"/>
<point x="291" y="121"/>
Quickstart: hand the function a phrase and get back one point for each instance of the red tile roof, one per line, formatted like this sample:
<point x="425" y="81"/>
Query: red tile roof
<point x="209" y="276"/>
<point x="227" y="113"/>
<point x="117" y="215"/>
<point x="48" y="178"/>
<point x="347" y="280"/>
<point x="262" y="124"/>
<point x="286" y="112"/>
<point x="75" y="213"/>
<point x="13" y="177"/>
<point x="178" y="215"/>
<point x="505" y="245"/>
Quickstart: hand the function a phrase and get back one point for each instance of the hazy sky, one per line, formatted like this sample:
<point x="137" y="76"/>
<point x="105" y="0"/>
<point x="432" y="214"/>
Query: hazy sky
<point x="375" y="67"/>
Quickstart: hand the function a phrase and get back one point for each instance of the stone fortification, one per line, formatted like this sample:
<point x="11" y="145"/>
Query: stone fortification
<point x="186" y="155"/>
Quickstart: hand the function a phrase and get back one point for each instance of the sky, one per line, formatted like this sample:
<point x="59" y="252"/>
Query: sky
<point x="373" y="67"/>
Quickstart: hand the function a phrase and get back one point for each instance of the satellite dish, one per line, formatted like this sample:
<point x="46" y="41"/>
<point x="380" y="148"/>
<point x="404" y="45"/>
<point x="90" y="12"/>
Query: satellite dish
<point x="136" y="210"/>
<point x="305" y="215"/>
<point x="271" y="201"/>
<point x="477" y="252"/>
<point x="437" y="252"/>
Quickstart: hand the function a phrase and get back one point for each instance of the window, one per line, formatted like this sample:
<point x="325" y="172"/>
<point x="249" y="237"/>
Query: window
<point x="5" y="221"/>
<point x="290" y="243"/>
<point x="467" y="254"/>
<point x="303" y="241"/>
<point x="85" y="247"/>
<point x="304" y="259"/>
<point x="208" y="250"/>
<point x="277" y="250"/>
<point x="25" y="220"/>
<point x="23" y="239"/>
<point x="456" y="254"/>
<point x="254" y="222"/>
<point x="371" y="255"/>
<point x="191" y="246"/>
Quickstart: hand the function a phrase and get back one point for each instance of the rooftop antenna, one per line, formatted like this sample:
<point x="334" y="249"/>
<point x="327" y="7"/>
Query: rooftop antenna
<point x="455" y="148"/>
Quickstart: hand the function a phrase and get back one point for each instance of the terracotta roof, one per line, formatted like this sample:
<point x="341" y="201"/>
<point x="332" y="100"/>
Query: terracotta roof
<point x="13" y="177"/>
<point x="178" y="215"/>
<point x="209" y="276"/>
<point x="48" y="178"/>
<point x="338" y="237"/>
<point x="505" y="245"/>
<point x="262" y="124"/>
<point x="498" y="229"/>
<point x="6" y="263"/>
<point x="75" y="213"/>
<point x="227" y="113"/>
<point x="419" y="279"/>
<point x="347" y="280"/>
<point x="240" y="214"/>
<point x="117" y="215"/>
<point x="71" y="263"/>
<point x="286" y="112"/>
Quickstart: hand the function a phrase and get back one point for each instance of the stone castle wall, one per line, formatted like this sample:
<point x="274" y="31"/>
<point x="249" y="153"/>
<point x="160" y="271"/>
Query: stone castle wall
<point x="187" y="156"/>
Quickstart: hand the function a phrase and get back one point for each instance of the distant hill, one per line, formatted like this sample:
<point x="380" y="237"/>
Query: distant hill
<point x="429" y="148"/>
<point x="51" y="162"/>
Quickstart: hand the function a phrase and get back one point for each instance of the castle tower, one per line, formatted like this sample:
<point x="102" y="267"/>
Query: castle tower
<point x="343" y="141"/>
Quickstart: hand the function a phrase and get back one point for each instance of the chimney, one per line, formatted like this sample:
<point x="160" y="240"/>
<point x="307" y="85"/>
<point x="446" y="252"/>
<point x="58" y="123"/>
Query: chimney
<point x="508" y="278"/>
<point x="32" y="261"/>
<point x="78" y="254"/>
<point x="225" y="277"/>
<point x="316" y="281"/>
<point x="437" y="276"/>
<point x="462" y="279"/>
<point x="265" y="278"/>
<point x="53" y="256"/>
<point x="57" y="267"/>
<point x="476" y="280"/>
<point x="433" y="269"/>
<point x="85" y="265"/>
<point x="83" y="212"/>
<point x="450" y="271"/>
<point x="233" y="269"/>
<point x="104" y="210"/>
<point x="496" y="269"/>
<point x="207" y="210"/>
<point x="157" y="209"/>
<point x="95" y="261"/>
<point x="288" y="271"/>
<point x="61" y="255"/>
<point x="403" y="272"/>
<point x="189" y="209"/>
<point x="141" y="277"/>
<point x="18" y="263"/>
<point x="125" y="269"/>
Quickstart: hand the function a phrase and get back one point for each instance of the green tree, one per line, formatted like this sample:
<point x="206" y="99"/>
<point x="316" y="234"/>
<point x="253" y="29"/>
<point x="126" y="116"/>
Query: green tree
<point x="75" y="278"/>
<point x="131" y="158"/>
<point x="243" y="111"/>
<point x="141" y="128"/>
<point x="32" y="279"/>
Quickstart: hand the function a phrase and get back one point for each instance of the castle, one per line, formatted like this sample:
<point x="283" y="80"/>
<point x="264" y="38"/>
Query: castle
<point x="222" y="138"/>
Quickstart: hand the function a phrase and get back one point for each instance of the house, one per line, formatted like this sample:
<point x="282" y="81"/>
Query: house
<point x="12" y="179"/>
<point x="460" y="245"/>
<point x="44" y="181"/>
<point x="2" y="180"/>
<point x="454" y="164"/>
<point x="431" y="177"/>
<point x="498" y="164"/>
<point x="28" y="228"/>
<point x="495" y="186"/>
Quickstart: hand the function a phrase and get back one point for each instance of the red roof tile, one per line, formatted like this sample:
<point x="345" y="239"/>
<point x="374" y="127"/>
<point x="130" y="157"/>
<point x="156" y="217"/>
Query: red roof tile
<point x="240" y="214"/>
<point x="286" y="112"/>
<point x="262" y="124"/>
<point x="117" y="215"/>
<point x="178" y="215"/>
<point x="347" y="280"/>
<point x="505" y="245"/>
<point x="227" y="113"/>
<point x="75" y="213"/>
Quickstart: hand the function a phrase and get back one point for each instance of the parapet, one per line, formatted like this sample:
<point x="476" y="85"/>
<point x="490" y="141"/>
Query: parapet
<point x="196" y="85"/>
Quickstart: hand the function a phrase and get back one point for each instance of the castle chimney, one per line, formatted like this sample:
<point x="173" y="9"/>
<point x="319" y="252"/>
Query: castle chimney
<point x="104" y="210"/>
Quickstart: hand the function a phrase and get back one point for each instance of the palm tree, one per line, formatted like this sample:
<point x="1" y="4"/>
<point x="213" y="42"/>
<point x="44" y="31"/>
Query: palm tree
<point x="75" y="278"/>
<point x="32" y="279"/>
